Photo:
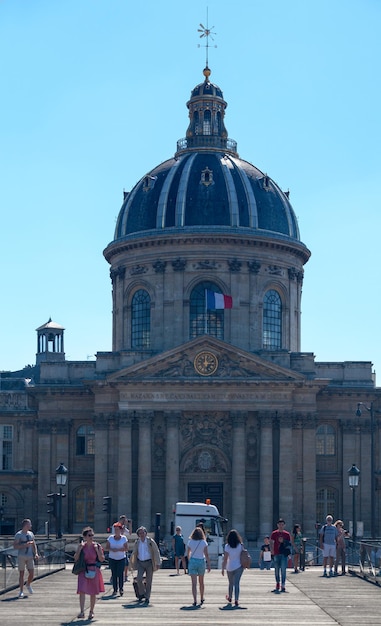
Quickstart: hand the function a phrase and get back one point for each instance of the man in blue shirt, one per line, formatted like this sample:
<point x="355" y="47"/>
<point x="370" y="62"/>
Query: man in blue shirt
<point x="328" y="541"/>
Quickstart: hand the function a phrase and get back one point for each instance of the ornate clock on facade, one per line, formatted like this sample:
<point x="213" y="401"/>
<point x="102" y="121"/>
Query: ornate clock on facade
<point x="205" y="363"/>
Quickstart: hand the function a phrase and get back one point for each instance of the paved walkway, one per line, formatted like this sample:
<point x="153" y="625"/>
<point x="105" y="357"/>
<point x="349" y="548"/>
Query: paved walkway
<point x="310" y="599"/>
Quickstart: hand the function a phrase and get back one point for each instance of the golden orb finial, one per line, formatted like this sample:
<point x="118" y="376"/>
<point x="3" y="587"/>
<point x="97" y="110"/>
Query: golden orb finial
<point x="207" y="72"/>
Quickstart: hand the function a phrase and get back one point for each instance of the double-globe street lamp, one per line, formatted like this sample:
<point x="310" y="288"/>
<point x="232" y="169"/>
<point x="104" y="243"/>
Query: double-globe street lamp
<point x="61" y="479"/>
<point x="371" y="411"/>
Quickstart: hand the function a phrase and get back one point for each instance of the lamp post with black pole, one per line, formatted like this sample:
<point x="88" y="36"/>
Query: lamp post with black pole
<point x="353" y="478"/>
<point x="61" y="479"/>
<point x="371" y="411"/>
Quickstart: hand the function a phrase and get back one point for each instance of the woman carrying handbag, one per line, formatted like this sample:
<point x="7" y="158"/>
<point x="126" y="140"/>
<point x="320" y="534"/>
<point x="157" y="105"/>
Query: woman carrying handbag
<point x="90" y="581"/>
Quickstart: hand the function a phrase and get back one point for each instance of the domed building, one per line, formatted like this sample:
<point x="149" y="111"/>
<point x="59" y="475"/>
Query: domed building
<point x="205" y="393"/>
<point x="206" y="219"/>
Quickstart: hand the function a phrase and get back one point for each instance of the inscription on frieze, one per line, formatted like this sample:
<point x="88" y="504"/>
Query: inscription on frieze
<point x="13" y="401"/>
<point x="168" y="396"/>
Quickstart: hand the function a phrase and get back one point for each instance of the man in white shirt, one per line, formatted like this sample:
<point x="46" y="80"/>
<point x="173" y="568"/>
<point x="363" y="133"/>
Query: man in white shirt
<point x="146" y="559"/>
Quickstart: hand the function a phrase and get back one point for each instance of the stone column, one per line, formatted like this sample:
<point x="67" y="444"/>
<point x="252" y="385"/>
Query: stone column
<point x="46" y="473"/>
<point x="286" y="477"/>
<point x="119" y="328"/>
<point x="309" y="475"/>
<point x="238" y="472"/>
<point x="27" y="436"/>
<point x="144" y="471"/>
<point x="124" y="494"/>
<point x="172" y="477"/>
<point x="265" y="501"/>
<point x="100" y="470"/>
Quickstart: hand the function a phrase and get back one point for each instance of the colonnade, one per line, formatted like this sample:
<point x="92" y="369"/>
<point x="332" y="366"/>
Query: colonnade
<point x="284" y="490"/>
<point x="279" y="476"/>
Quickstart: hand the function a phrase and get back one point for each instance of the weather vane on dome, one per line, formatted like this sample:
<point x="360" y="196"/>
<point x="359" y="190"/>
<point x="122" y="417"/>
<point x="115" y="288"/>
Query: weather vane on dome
<point x="206" y="32"/>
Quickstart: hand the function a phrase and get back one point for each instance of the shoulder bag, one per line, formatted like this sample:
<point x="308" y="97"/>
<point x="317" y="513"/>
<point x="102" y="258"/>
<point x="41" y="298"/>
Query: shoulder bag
<point x="245" y="558"/>
<point x="79" y="565"/>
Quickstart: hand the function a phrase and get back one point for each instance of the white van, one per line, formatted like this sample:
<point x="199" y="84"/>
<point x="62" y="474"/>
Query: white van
<point x="189" y="514"/>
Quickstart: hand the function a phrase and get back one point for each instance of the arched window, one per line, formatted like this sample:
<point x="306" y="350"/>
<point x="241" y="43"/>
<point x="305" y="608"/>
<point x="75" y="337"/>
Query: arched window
<point x="326" y="504"/>
<point x="84" y="506"/>
<point x="85" y="443"/>
<point x="141" y="320"/>
<point x="325" y="440"/>
<point x="272" y="320"/>
<point x="219" y="124"/>
<point x="207" y="130"/>
<point x="202" y="322"/>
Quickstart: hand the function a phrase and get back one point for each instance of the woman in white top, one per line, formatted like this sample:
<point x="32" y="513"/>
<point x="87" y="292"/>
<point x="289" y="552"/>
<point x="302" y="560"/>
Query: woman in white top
<point x="197" y="552"/>
<point x="232" y="564"/>
<point x="117" y="545"/>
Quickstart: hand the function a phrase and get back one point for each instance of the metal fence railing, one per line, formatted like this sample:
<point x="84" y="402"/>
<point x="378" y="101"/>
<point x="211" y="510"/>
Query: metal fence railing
<point x="368" y="558"/>
<point x="52" y="559"/>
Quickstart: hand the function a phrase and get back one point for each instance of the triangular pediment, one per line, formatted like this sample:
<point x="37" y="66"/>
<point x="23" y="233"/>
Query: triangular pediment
<point x="205" y="358"/>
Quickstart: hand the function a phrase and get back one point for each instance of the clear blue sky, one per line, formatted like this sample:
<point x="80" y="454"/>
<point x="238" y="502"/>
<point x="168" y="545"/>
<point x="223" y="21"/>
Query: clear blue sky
<point x="93" y="96"/>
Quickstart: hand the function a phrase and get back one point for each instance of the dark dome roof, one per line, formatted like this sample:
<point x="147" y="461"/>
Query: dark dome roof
<point x="208" y="189"/>
<point x="206" y="186"/>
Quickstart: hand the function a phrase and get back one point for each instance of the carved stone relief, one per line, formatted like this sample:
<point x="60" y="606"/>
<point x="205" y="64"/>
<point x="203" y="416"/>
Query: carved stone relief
<point x="275" y="270"/>
<point x="179" y="265"/>
<point x="117" y="272"/>
<point x="206" y="265"/>
<point x="254" y="266"/>
<point x="159" y="266"/>
<point x="235" y="265"/>
<point x="13" y="401"/>
<point x="206" y="429"/>
<point x="138" y="269"/>
<point x="205" y="460"/>
<point x="179" y="365"/>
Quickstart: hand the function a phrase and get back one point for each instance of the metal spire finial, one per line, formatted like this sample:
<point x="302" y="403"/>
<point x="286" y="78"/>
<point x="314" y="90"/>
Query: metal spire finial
<point x="206" y="32"/>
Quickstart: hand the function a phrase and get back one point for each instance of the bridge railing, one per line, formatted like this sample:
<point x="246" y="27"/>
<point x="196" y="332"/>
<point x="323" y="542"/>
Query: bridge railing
<point x="365" y="556"/>
<point x="52" y="559"/>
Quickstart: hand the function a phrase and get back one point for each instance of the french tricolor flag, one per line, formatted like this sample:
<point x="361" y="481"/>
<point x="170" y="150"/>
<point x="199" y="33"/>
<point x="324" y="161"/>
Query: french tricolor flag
<point x="218" y="300"/>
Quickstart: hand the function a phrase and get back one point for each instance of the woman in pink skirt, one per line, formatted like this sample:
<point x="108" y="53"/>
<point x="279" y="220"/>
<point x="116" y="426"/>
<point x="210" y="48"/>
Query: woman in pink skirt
<point x="93" y="553"/>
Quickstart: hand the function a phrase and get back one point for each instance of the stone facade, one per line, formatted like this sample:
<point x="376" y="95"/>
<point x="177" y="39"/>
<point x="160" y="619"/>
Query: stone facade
<point x="192" y="403"/>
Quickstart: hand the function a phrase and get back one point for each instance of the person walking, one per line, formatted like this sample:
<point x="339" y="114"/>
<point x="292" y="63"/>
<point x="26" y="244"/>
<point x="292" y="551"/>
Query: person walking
<point x="280" y="541"/>
<point x="127" y="531"/>
<point x="265" y="558"/>
<point x="90" y="582"/>
<point x="25" y="543"/>
<point x="117" y="545"/>
<point x="341" y="547"/>
<point x="178" y="547"/>
<point x="297" y="546"/>
<point x="232" y="564"/>
<point x="328" y="540"/>
<point x="197" y="552"/>
<point x="146" y="559"/>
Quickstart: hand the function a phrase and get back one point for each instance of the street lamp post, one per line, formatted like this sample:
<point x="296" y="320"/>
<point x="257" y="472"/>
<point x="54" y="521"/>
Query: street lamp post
<point x="353" y="477"/>
<point x="371" y="411"/>
<point x="61" y="478"/>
